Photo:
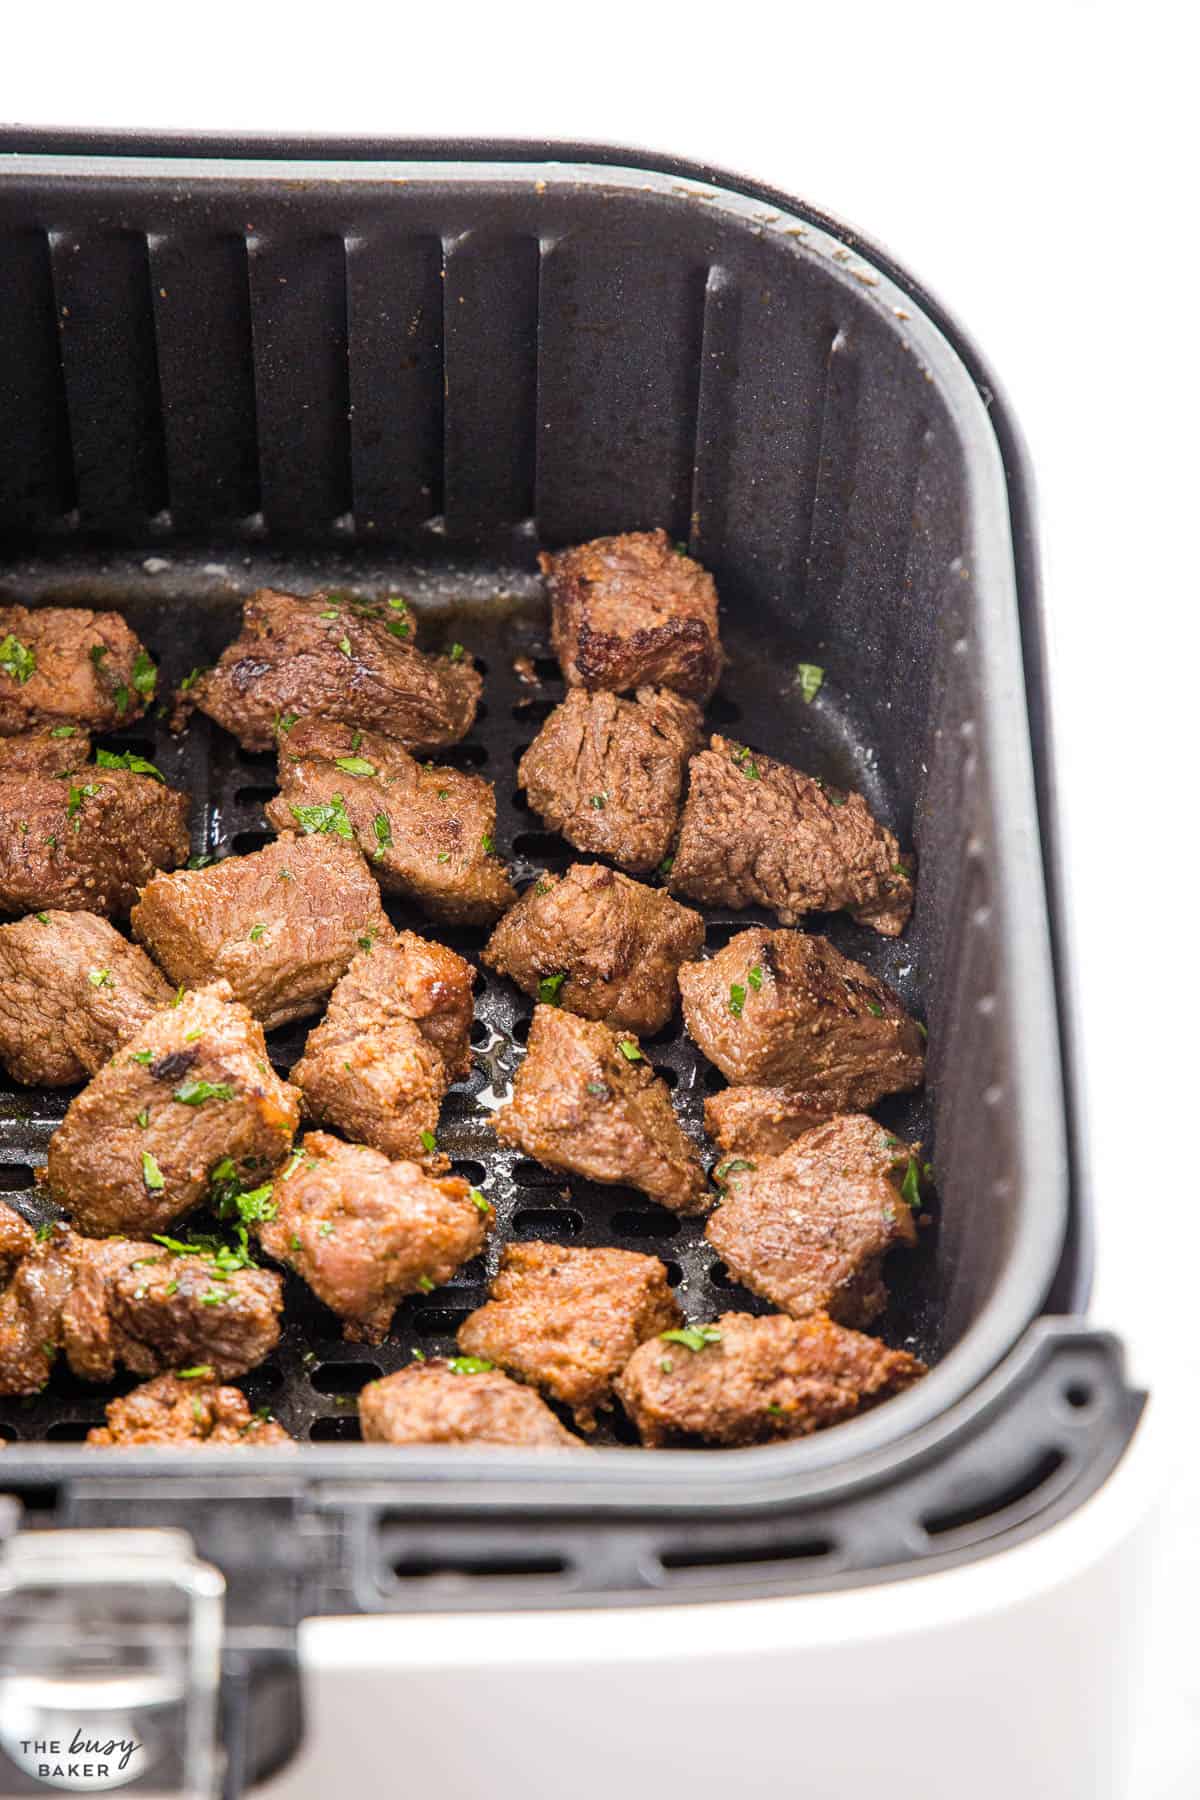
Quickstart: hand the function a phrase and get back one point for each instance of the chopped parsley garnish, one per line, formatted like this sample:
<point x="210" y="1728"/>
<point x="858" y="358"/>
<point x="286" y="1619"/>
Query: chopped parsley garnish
<point x="42" y="918"/>
<point x="63" y="731"/>
<point x="200" y="1372"/>
<point x="540" y="888"/>
<point x="202" y="860"/>
<point x="189" y="1037"/>
<point x="629" y="1050"/>
<point x="831" y="794"/>
<point x="548" y="988"/>
<point x="599" y="801"/>
<point x="75" y="799"/>
<point x="666" y="1364"/>
<point x="398" y="604"/>
<point x="44" y="1232"/>
<point x="666" y="865"/>
<point x="344" y="646"/>
<point x="426" y="1286"/>
<point x="774" y="1408"/>
<point x="808" y="679"/>
<point x="732" y="1166"/>
<point x="874" y="1008"/>
<point x="297" y="1157"/>
<point x="923" y="1029"/>
<point x="399" y="627"/>
<point x="910" y="1187"/>
<point x="754" y="977"/>
<point x="128" y="759"/>
<point x="456" y="653"/>
<point x="737" y="999"/>
<point x="16" y="659"/>
<point x="331" y="612"/>
<point x="195" y="1093"/>
<point x="382" y="827"/>
<point x="143" y="1118"/>
<point x="223" y="1259"/>
<point x="429" y="1142"/>
<point x="742" y="759"/>
<point x="145" y="675"/>
<point x="214" y="1297"/>
<point x="256" y="932"/>
<point x="285" y="721"/>
<point x="101" y="978"/>
<point x="692" y="1337"/>
<point x="326" y="1228"/>
<point x="330" y="816"/>
<point x="443" y="856"/>
<point x="366" y="941"/>
<point x="598" y="1089"/>
<point x="152" y="1175"/>
<point x="189" y="681"/>
<point x="141" y="1056"/>
<point x="355" y="765"/>
<point x="479" y="1200"/>
<point x="469" y="1365"/>
<point x="178" y="995"/>
<point x="487" y="843"/>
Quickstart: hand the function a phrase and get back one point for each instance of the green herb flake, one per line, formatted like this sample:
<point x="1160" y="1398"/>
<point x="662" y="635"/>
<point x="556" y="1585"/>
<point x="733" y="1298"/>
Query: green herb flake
<point x="344" y="646"/>
<point x="426" y="1286"/>
<point x="487" y="843"/>
<point x="330" y="817"/>
<point x="152" y="1175"/>
<point x="666" y="1364"/>
<point x="456" y="653"/>
<point x="189" y="1037"/>
<point x="200" y="1372"/>
<point x="42" y="918"/>
<point x="479" y="1200"/>
<point x="143" y="1118"/>
<point x="128" y="759"/>
<point x="44" y="1232"/>
<point x="257" y="932"/>
<point x="398" y="603"/>
<point x="399" y="627"/>
<point x="285" y="721"/>
<point x="809" y="677"/>
<point x="737" y="999"/>
<point x="428" y="1141"/>
<point x="540" y="888"/>
<point x="214" y="1297"/>
<point x="598" y="1089"/>
<point x="666" y="865"/>
<point x="599" y="801"/>
<point x="75" y="799"/>
<point x="141" y="1056"/>
<point x="121" y="699"/>
<point x="910" y="1187"/>
<point x="355" y="765"/>
<point x="195" y="1093"/>
<point x="202" y="860"/>
<point x="548" y="986"/>
<point x="189" y="681"/>
<point x="331" y="612"/>
<point x="63" y="731"/>
<point x="629" y="1050"/>
<point x="443" y="856"/>
<point x="774" y="1408"/>
<point x="366" y="942"/>
<point x="178" y="995"/>
<point x="469" y="1365"/>
<point x="101" y="978"/>
<point x="734" y="1165"/>
<point x="692" y="1337"/>
<point x="17" y="660"/>
<point x="874" y="1008"/>
<point x="755" y="977"/>
<point x="382" y="827"/>
<point x="326" y="1230"/>
<point x="145" y="675"/>
<point x="923" y="1029"/>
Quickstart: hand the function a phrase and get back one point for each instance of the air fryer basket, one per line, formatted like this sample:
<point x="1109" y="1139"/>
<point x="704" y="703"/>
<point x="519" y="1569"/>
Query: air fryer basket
<point x="394" y="371"/>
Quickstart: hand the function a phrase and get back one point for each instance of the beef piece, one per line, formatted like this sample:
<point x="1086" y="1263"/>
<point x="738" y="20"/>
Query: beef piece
<point x="608" y="774"/>
<point x="153" y="1309"/>
<point x="17" y="1239"/>
<point x="31" y="1310"/>
<point x="567" y="1321"/>
<point x="45" y="752"/>
<point x="630" y="610"/>
<point x="87" y="842"/>
<point x="762" y="1121"/>
<point x="452" y="1403"/>
<point x="787" y="1008"/>
<point x="280" y="926"/>
<point x="363" y="1231"/>
<point x="619" y="945"/>
<point x="71" y="989"/>
<point x="427" y="832"/>
<point x="396" y="1033"/>
<point x="64" y="665"/>
<point x="757" y="832"/>
<point x="191" y="1089"/>
<point x="585" y="1100"/>
<point x="329" y="657"/>
<point x="169" y="1410"/>
<point x="808" y="1229"/>
<point x="754" y="1381"/>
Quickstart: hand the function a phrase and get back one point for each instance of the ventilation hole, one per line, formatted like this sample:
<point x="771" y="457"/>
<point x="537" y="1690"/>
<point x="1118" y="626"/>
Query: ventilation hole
<point x="717" y="936"/>
<point x="1079" y="1394"/>
<point x="7" y="1434"/>
<point x="624" y="1429"/>
<point x="254" y="760"/>
<point x="345" y="1377"/>
<point x="15" y="1177"/>
<point x="474" y="1172"/>
<point x="648" y="1222"/>
<point x="266" y="1379"/>
<point x="440" y="1321"/>
<point x="519" y="751"/>
<point x="35" y="1497"/>
<point x="1048" y="1464"/>
<point x="541" y="846"/>
<point x="534" y="709"/>
<point x="255" y="796"/>
<point x="531" y="1174"/>
<point x="724" y="711"/>
<point x="719" y="1556"/>
<point x="714" y="1081"/>
<point x="70" y="1431"/>
<point x="674" y="1273"/>
<point x="520" y="1031"/>
<point x="521" y="803"/>
<point x="497" y="1563"/>
<point x="666" y="1073"/>
<point x="463" y="756"/>
<point x="543" y="1224"/>
<point x="246" y="842"/>
<point x="481" y="1032"/>
<point x="720" y="1277"/>
<point x="343" y="1431"/>
<point x="473" y="1271"/>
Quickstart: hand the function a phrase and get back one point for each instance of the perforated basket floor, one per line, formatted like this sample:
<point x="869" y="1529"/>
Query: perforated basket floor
<point x="186" y="608"/>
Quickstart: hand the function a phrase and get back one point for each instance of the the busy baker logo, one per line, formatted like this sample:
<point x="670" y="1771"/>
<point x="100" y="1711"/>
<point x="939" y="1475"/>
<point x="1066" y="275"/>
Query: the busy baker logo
<point x="86" y="1761"/>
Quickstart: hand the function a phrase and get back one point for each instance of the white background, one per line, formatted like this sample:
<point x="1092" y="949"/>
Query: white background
<point x="1036" y="165"/>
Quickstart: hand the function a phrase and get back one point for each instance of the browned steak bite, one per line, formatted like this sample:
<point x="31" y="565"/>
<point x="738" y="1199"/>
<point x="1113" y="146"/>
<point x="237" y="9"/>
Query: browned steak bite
<point x="599" y="944"/>
<point x="630" y="610"/>
<point x="586" y="1100"/>
<point x="71" y="989"/>
<point x="752" y="1381"/>
<point x="31" y="1304"/>
<point x="172" y="1410"/>
<point x="191" y="1089"/>
<point x="787" y="1008"/>
<point x="45" y="752"/>
<point x="608" y="774"/>
<point x="280" y="926"/>
<point x="456" y="1402"/>
<point x="331" y="657"/>
<point x="809" y="1229"/>
<point x="427" y="832"/>
<point x="363" y="1231"/>
<point x="396" y="1034"/>
<point x="568" y="1320"/>
<point x="762" y="1121"/>
<point x="86" y="842"/>
<point x="17" y="1239"/>
<point x="153" y="1309"/>
<point x="757" y="832"/>
<point x="64" y="665"/>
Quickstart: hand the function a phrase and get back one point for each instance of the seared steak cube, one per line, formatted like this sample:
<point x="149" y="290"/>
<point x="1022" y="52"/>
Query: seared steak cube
<point x="757" y="832"/>
<point x="599" y="944"/>
<point x="608" y="774"/>
<point x="45" y="752"/>
<point x="427" y="832"/>
<point x="762" y="1121"/>
<point x="280" y="926"/>
<point x="152" y="1309"/>
<point x="17" y="1239"/>
<point x="753" y="1381"/>
<point x="327" y="656"/>
<point x="71" y="989"/>
<point x="396" y="1033"/>
<point x="191" y="1089"/>
<point x="809" y="1229"/>
<point x="455" y="1402"/>
<point x="63" y="665"/>
<point x="568" y="1320"/>
<point x="86" y="842"/>
<point x="585" y="1100"/>
<point x="174" y="1410"/>
<point x="630" y="610"/>
<point x="787" y="1008"/>
<point x="363" y="1231"/>
<point x="31" y="1303"/>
